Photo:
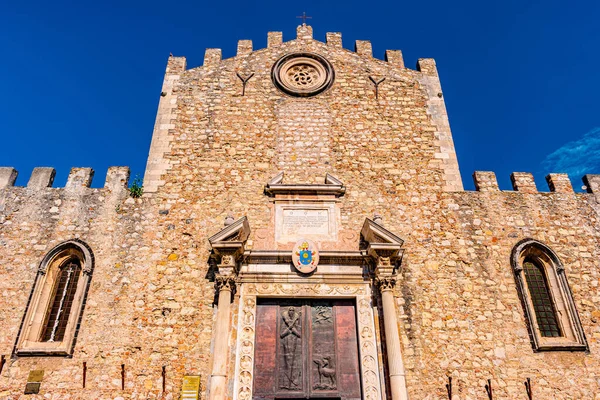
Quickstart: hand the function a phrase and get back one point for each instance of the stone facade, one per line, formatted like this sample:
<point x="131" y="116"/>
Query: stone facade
<point x="375" y="142"/>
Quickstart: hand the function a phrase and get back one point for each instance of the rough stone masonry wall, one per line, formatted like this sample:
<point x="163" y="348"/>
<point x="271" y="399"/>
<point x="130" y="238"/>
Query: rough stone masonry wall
<point x="462" y="316"/>
<point x="140" y="298"/>
<point x="151" y="300"/>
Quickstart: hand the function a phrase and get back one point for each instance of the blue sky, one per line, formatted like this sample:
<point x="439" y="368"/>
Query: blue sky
<point x="81" y="80"/>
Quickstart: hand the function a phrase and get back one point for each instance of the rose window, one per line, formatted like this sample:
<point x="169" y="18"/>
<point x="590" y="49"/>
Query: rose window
<point x="302" y="74"/>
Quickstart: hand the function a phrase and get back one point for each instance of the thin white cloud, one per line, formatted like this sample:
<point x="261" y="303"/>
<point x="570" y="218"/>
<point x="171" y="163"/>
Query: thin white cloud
<point x="576" y="158"/>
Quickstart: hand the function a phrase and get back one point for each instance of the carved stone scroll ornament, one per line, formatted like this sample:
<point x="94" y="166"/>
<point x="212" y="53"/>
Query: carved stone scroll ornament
<point x="368" y="349"/>
<point x="320" y="289"/>
<point x="246" y="345"/>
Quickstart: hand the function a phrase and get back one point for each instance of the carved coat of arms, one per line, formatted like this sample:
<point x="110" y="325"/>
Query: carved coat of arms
<point x="305" y="256"/>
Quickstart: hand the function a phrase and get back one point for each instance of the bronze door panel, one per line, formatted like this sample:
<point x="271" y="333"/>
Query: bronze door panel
<point x="306" y="349"/>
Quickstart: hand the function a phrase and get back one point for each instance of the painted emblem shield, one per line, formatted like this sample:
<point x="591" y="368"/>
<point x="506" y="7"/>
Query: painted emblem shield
<point x="305" y="256"/>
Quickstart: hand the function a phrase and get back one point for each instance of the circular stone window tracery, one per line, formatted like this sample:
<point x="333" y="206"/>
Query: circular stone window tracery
<point x="302" y="74"/>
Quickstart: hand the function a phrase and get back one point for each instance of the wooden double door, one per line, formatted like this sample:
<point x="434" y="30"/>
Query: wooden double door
<point x="306" y="349"/>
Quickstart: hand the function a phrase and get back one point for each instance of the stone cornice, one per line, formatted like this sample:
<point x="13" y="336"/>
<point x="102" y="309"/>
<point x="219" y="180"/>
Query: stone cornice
<point x="317" y="189"/>
<point x="332" y="187"/>
<point x="326" y="257"/>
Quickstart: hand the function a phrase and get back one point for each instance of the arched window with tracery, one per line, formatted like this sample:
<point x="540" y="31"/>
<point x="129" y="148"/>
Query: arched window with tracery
<point x="547" y="300"/>
<point x="62" y="300"/>
<point x="56" y="303"/>
<point x="543" y="305"/>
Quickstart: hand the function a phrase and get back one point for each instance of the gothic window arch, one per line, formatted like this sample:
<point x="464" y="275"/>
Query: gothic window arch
<point x="56" y="303"/>
<point x="547" y="300"/>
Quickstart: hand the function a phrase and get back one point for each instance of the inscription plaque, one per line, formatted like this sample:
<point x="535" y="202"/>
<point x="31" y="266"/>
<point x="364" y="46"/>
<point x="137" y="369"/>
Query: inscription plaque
<point x="309" y="221"/>
<point x="190" y="387"/>
<point x="317" y="221"/>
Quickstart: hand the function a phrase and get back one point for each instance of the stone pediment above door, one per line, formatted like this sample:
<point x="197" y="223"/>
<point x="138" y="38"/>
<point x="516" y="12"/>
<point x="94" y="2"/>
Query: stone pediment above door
<point x="378" y="241"/>
<point x="228" y="245"/>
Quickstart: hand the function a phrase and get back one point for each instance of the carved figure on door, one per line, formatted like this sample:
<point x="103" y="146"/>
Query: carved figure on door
<point x="292" y="349"/>
<point x="323" y="315"/>
<point x="326" y="374"/>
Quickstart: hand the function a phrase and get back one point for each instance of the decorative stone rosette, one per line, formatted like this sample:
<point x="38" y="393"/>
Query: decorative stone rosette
<point x="302" y="74"/>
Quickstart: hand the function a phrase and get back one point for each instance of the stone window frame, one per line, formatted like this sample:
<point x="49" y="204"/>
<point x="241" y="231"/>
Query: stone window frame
<point x="573" y="336"/>
<point x="29" y="339"/>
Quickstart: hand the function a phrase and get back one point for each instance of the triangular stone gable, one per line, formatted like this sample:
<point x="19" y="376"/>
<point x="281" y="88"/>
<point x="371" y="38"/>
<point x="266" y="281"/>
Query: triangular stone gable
<point x="332" y="180"/>
<point x="373" y="232"/>
<point x="238" y="231"/>
<point x="276" y="180"/>
<point x="381" y="242"/>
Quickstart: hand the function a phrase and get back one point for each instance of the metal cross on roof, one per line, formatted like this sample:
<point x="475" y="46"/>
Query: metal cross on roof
<point x="304" y="18"/>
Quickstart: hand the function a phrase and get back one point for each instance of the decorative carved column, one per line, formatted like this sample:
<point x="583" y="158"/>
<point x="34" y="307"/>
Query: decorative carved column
<point x="385" y="248"/>
<point x="386" y="281"/>
<point x="228" y="247"/>
<point x="225" y="286"/>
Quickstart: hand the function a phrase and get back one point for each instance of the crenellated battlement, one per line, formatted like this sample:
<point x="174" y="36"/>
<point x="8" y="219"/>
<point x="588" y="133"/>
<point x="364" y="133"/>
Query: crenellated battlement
<point x="523" y="182"/>
<point x="363" y="48"/>
<point x="117" y="178"/>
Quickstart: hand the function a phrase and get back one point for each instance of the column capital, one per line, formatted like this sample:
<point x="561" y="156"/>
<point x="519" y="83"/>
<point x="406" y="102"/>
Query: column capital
<point x="385" y="283"/>
<point x="225" y="282"/>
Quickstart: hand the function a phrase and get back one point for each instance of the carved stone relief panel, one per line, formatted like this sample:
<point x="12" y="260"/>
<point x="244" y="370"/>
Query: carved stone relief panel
<point x="308" y="289"/>
<point x="245" y="349"/>
<point x="368" y="349"/>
